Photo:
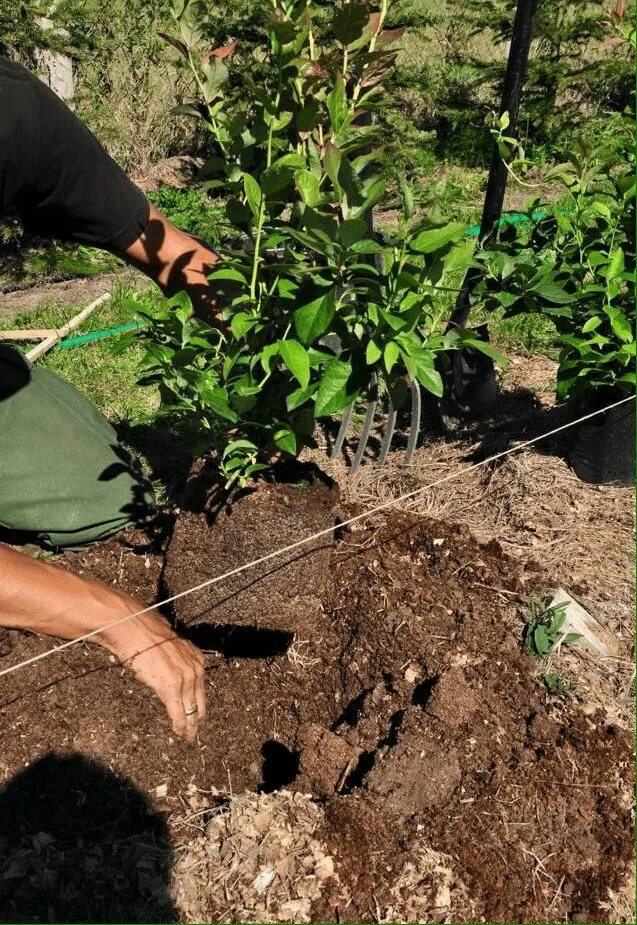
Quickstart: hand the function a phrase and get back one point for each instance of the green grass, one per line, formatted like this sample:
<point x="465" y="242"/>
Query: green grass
<point x="109" y="380"/>
<point x="26" y="262"/>
<point x="525" y="335"/>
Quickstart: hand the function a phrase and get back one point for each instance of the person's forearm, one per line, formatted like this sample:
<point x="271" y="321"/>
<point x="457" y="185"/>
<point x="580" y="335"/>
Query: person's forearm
<point x="41" y="598"/>
<point x="175" y="261"/>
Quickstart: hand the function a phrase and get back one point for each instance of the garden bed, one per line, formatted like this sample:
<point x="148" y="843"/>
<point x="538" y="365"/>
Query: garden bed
<point x="445" y="783"/>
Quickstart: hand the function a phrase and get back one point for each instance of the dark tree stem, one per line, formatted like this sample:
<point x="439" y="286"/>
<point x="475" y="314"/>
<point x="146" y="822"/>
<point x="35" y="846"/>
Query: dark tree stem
<point x="496" y="185"/>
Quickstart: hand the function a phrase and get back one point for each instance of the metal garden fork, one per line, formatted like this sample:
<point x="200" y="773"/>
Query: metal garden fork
<point x="389" y="429"/>
<point x="333" y="343"/>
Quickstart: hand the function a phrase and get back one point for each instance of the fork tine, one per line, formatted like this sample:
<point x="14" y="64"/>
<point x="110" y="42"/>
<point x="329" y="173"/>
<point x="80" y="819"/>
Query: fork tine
<point x="414" y="427"/>
<point x="387" y="438"/>
<point x="342" y="433"/>
<point x="364" y="437"/>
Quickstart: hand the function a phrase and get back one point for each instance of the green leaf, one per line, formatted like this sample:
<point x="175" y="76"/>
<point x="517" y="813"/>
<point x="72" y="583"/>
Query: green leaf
<point x="592" y="324"/>
<point x="217" y="401"/>
<point x="253" y="193"/>
<point x="460" y="255"/>
<point x="332" y="164"/>
<point x="406" y="198"/>
<point x="300" y="396"/>
<point x="351" y="231"/>
<point x="552" y="292"/>
<point x="373" y="192"/>
<point x="541" y="640"/>
<point x="285" y="439"/>
<point x="483" y="346"/>
<point x="308" y="116"/>
<point x="571" y="638"/>
<point x="349" y="22"/>
<point x="228" y="273"/>
<point x="373" y="353"/>
<point x="435" y="238"/>
<point x="337" y="107"/>
<point x="430" y="379"/>
<point x="275" y="178"/>
<point x="620" y="325"/>
<point x="237" y="446"/>
<point x="312" y="320"/>
<point x="296" y="359"/>
<point x="238" y="214"/>
<point x="309" y="187"/>
<point x="391" y="355"/>
<point x="241" y="323"/>
<point x="616" y="264"/>
<point x="602" y="209"/>
<point x="366" y="246"/>
<point x="333" y="393"/>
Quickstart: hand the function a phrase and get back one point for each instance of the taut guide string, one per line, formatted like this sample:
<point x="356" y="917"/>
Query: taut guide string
<point x="309" y="539"/>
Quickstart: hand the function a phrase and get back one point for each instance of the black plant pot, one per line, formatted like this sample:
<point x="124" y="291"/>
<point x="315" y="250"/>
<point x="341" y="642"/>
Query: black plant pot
<point x="471" y="386"/>
<point x="602" y="449"/>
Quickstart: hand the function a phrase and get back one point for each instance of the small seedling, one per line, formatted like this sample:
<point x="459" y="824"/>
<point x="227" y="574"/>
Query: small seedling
<point x="554" y="683"/>
<point x="544" y="630"/>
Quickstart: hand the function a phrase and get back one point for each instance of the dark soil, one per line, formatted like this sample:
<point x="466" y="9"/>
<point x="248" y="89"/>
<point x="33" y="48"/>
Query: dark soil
<point x="283" y="593"/>
<point x="408" y="707"/>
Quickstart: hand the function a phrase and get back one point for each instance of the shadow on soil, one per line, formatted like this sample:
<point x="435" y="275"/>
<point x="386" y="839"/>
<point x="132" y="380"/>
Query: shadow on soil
<point x="168" y="452"/>
<point x="517" y="416"/>
<point x="78" y="843"/>
<point x="233" y="641"/>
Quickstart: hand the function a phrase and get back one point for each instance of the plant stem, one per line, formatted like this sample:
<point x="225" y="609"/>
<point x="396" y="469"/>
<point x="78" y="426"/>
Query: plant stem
<point x="372" y="45"/>
<point x="261" y="217"/>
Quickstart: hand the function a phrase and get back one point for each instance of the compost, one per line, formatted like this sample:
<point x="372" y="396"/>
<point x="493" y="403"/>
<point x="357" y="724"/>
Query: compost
<point x="386" y="754"/>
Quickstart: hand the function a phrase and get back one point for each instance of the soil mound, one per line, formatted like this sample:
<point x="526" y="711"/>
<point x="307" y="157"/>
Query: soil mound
<point x="451" y="785"/>
<point x="284" y="593"/>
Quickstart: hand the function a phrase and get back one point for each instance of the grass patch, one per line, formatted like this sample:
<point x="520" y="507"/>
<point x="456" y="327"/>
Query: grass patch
<point x="109" y="380"/>
<point x="27" y="261"/>
<point x="525" y="335"/>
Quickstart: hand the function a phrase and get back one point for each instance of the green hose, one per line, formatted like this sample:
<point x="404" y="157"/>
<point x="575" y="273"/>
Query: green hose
<point x="515" y="218"/>
<point x="80" y="339"/>
<point x="69" y="342"/>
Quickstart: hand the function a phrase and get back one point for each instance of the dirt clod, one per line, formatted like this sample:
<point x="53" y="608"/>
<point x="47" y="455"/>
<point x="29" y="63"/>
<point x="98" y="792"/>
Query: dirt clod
<point x="416" y="776"/>
<point x="325" y="761"/>
<point x="453" y="701"/>
<point x="284" y="593"/>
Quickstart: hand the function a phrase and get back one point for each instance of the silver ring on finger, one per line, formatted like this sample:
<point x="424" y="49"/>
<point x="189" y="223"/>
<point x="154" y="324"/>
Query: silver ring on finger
<point x="191" y="711"/>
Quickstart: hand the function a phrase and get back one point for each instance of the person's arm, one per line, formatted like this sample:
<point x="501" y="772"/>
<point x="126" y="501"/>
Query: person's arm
<point x="175" y="261"/>
<point x="38" y="597"/>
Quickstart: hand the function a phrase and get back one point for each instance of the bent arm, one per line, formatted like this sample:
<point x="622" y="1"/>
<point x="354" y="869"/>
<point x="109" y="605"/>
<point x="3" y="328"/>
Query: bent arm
<point x="175" y="261"/>
<point x="41" y="598"/>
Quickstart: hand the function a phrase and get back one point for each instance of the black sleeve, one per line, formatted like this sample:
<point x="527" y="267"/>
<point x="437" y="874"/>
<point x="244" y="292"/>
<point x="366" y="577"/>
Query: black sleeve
<point x="55" y="173"/>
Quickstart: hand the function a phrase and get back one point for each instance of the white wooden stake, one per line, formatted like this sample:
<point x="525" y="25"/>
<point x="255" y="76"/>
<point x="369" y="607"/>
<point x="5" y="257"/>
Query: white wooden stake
<point x="36" y="352"/>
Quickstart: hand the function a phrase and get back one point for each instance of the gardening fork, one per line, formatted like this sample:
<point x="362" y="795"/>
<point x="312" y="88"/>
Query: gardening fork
<point x="390" y="427"/>
<point x="333" y="343"/>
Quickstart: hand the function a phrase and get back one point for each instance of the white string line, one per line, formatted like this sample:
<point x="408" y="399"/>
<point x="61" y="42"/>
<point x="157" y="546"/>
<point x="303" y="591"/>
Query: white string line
<point x="308" y="539"/>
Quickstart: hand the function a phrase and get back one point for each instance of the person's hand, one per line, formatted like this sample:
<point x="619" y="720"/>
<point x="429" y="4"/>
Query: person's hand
<point x="42" y="598"/>
<point x="172" y="667"/>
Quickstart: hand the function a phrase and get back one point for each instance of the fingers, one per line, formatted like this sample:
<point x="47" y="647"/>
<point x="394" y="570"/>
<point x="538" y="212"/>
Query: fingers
<point x="193" y="696"/>
<point x="174" y="670"/>
<point x="200" y="688"/>
<point x="175" y="709"/>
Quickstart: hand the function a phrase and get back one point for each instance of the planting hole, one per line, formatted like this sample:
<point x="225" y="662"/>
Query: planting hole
<point x="423" y="691"/>
<point x="239" y="641"/>
<point x="352" y="712"/>
<point x="280" y="766"/>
